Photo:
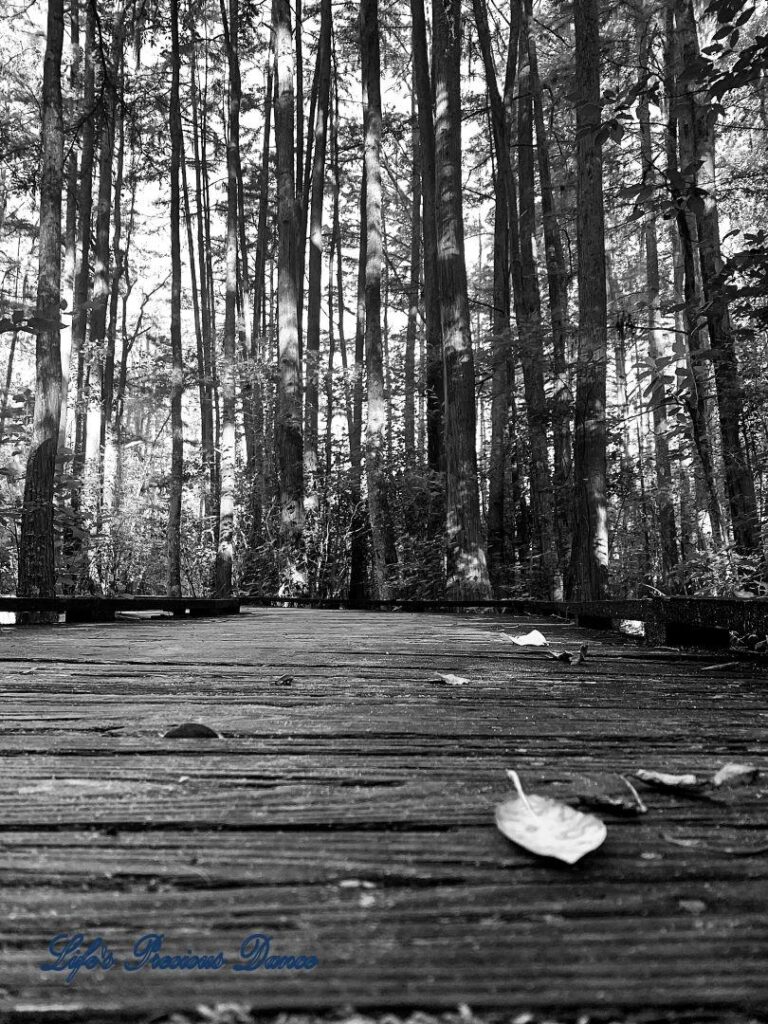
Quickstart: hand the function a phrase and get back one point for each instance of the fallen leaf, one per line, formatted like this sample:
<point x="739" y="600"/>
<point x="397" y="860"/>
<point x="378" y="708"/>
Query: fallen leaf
<point x="283" y="680"/>
<point x="548" y="827"/>
<point x="532" y="639"/>
<point x="564" y="656"/>
<point x="191" y="731"/>
<point x="692" y="906"/>
<point x="449" y="680"/>
<point x="735" y="775"/>
<point x="662" y="780"/>
<point x="582" y="657"/>
<point x="630" y="806"/>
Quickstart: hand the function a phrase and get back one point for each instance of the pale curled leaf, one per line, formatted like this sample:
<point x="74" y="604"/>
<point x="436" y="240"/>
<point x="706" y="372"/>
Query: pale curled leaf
<point x="532" y="639"/>
<point x="449" y="680"/>
<point x="735" y="775"/>
<point x="663" y="780"/>
<point x="548" y="827"/>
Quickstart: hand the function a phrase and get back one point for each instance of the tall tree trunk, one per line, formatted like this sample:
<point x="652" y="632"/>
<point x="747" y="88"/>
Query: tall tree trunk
<point x="740" y="487"/>
<point x="225" y="550"/>
<point x="696" y="393"/>
<point x="589" y="563"/>
<point x="37" y="570"/>
<point x="205" y="370"/>
<point x="531" y="337"/>
<point x="557" y="282"/>
<point x="177" y="361"/>
<point x="467" y="569"/>
<point x="382" y="543"/>
<point x="289" y="419"/>
<point x="409" y="410"/>
<point x="434" y="377"/>
<point x="82" y="272"/>
<point x="357" y="559"/>
<point x="661" y="427"/>
<point x="104" y="360"/>
<point x="323" y="89"/>
<point x="70" y="233"/>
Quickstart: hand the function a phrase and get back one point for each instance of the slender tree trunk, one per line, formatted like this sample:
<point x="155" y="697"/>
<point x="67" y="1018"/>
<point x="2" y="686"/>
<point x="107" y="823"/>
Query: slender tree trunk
<point x="531" y="344"/>
<point x="312" y="391"/>
<point x="661" y="427"/>
<point x="225" y="551"/>
<point x="467" y="569"/>
<point x="557" y="282"/>
<point x="99" y="343"/>
<point x="289" y="419"/>
<point x="205" y="370"/>
<point x="357" y="559"/>
<point x="382" y="543"/>
<point x="409" y="410"/>
<point x="82" y="273"/>
<point x="37" y="570"/>
<point x="70" y="234"/>
<point x="695" y="397"/>
<point x="589" y="563"/>
<point x="434" y="342"/>
<point x="739" y="483"/>
<point x="177" y="363"/>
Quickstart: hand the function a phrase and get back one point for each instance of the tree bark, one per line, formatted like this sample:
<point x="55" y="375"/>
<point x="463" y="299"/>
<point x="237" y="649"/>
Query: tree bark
<point x="661" y="427"/>
<point x="312" y="390"/>
<point x="289" y="419"/>
<point x="589" y="562"/>
<point x="82" y="272"/>
<point x="382" y="543"/>
<point x="177" y="365"/>
<point x="531" y="344"/>
<point x="557" y="282"/>
<point x="740" y="487"/>
<point x="37" y="570"/>
<point x="409" y="409"/>
<point x="434" y="343"/>
<point x="467" y="569"/>
<point x="225" y="550"/>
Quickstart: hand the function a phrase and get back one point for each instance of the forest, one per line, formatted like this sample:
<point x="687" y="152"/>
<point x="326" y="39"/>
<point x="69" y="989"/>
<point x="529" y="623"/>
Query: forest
<point x="392" y="301"/>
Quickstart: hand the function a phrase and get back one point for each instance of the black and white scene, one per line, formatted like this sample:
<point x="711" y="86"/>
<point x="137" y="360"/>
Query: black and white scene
<point x="383" y="511"/>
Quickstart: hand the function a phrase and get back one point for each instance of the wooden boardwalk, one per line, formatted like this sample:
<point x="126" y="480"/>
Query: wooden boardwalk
<point x="348" y="813"/>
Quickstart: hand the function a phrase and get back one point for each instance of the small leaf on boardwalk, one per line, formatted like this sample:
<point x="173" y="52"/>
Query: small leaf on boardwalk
<point x="283" y="680"/>
<point x="548" y="827"/>
<point x="191" y="731"/>
<point x="662" y="780"/>
<point x="447" y="679"/>
<point x="735" y="775"/>
<point x="532" y="639"/>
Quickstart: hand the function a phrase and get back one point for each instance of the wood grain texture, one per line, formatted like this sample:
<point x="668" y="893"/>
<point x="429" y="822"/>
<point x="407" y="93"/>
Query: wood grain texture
<point x="348" y="812"/>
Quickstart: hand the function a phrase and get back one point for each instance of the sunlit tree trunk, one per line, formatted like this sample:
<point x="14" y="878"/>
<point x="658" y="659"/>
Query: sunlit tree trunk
<point x="382" y="544"/>
<point x="37" y="570"/>
<point x="531" y="343"/>
<point x="661" y="426"/>
<point x="434" y="340"/>
<point x="467" y="569"/>
<point x="409" y="410"/>
<point x="289" y="418"/>
<point x="557" y="283"/>
<point x="225" y="550"/>
<point x="177" y="366"/>
<point x="589" y="563"/>
<point x="312" y="391"/>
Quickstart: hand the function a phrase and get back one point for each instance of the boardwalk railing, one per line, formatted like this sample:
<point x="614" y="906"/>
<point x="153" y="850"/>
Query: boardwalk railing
<point x="103" y="609"/>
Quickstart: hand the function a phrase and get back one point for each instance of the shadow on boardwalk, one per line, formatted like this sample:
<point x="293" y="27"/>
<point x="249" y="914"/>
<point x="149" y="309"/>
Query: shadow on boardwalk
<point x="347" y="812"/>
